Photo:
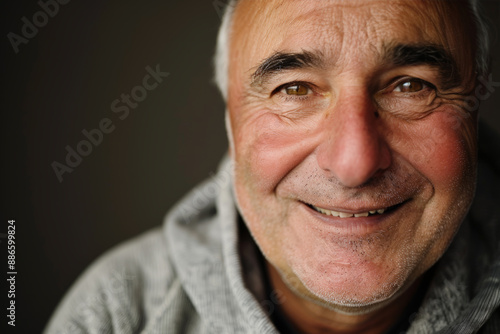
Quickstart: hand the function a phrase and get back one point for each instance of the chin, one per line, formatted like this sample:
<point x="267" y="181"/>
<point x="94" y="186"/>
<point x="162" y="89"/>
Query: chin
<point x="347" y="294"/>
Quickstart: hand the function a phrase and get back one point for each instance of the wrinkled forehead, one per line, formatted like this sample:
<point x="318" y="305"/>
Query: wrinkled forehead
<point x="342" y="30"/>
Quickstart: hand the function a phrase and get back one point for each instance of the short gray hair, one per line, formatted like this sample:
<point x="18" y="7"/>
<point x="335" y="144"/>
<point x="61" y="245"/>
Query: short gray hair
<point x="482" y="38"/>
<point x="221" y="58"/>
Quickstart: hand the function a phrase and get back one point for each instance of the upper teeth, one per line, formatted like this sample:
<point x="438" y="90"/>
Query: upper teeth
<point x="345" y="214"/>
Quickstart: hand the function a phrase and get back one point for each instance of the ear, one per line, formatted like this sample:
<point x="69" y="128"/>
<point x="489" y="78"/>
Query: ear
<point x="229" y="132"/>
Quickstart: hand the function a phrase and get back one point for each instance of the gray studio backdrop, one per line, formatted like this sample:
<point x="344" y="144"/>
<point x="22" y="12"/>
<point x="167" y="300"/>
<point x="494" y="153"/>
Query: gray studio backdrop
<point x="84" y="69"/>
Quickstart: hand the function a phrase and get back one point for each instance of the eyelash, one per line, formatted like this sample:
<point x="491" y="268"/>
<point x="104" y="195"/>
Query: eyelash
<point x="389" y="89"/>
<point x="287" y="97"/>
<point x="401" y="80"/>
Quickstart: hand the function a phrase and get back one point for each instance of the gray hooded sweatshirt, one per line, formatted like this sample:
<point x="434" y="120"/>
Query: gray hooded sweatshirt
<point x="199" y="273"/>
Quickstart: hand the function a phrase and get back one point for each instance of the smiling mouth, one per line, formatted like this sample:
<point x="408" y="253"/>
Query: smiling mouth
<point x="341" y="214"/>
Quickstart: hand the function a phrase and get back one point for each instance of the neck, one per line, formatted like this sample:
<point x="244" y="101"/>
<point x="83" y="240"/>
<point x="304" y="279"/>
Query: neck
<point x="312" y="318"/>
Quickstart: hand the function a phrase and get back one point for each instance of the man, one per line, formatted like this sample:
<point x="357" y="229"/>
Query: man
<point x="345" y="203"/>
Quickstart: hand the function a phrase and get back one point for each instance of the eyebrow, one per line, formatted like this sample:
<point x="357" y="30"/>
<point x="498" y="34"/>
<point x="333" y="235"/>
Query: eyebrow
<point x="397" y="55"/>
<point x="281" y="61"/>
<point x="425" y="54"/>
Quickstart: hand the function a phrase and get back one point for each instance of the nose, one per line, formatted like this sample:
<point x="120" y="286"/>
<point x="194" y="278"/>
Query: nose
<point x="353" y="150"/>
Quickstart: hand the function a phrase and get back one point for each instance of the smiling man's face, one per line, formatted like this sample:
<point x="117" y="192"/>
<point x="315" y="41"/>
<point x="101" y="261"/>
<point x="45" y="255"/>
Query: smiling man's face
<point x="354" y="152"/>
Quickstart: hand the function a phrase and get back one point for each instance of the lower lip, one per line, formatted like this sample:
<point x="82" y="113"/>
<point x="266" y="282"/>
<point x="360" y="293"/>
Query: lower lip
<point x="355" y="225"/>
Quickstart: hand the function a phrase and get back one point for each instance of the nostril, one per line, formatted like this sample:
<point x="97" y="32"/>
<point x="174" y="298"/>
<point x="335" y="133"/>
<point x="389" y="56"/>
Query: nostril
<point x="354" y="160"/>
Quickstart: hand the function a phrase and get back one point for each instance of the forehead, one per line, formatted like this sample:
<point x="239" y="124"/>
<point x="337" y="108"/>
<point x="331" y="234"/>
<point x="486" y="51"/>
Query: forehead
<point x="334" y="27"/>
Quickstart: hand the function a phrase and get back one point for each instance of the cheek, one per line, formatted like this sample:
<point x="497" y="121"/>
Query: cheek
<point x="269" y="147"/>
<point x="441" y="147"/>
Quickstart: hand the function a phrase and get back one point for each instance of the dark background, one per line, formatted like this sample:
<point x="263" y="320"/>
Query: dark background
<point x="62" y="82"/>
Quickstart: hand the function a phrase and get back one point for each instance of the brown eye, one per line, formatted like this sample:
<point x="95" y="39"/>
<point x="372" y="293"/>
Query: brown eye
<point x="296" y="89"/>
<point x="410" y="86"/>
